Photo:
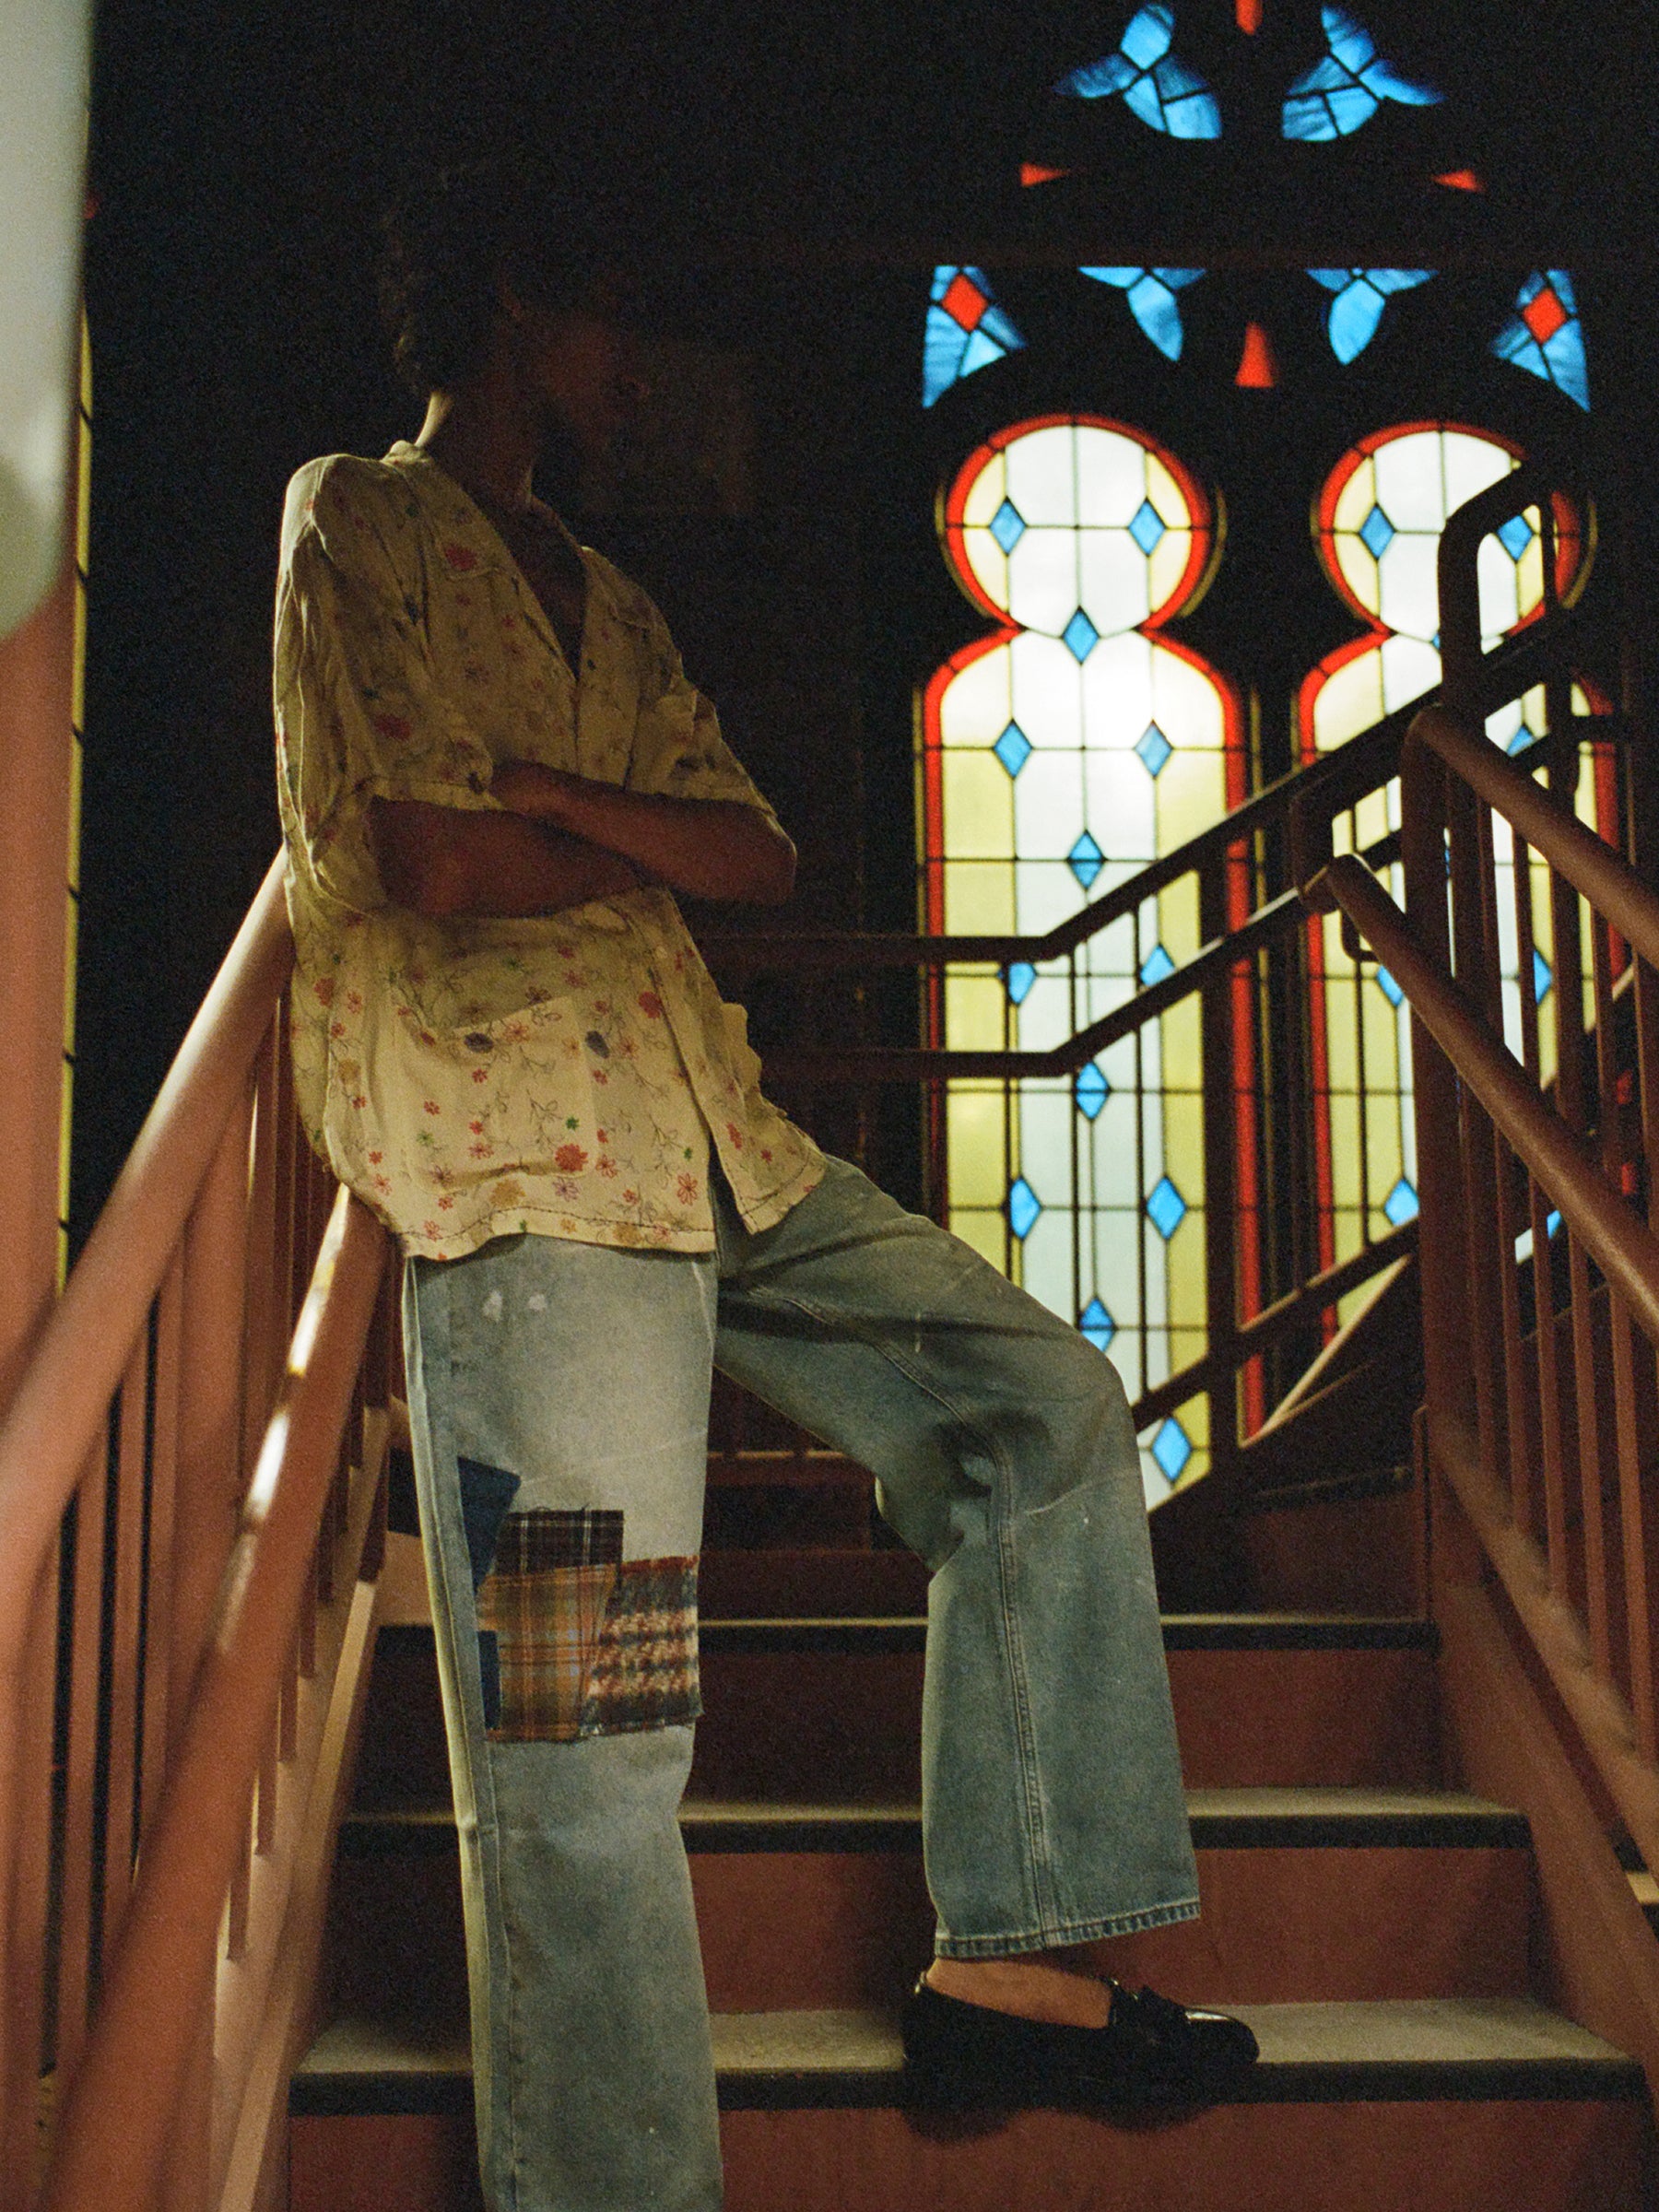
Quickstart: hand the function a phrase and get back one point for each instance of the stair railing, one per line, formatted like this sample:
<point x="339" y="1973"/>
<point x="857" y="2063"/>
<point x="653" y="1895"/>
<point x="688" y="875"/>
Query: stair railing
<point x="1231" y="921"/>
<point x="190" y="1488"/>
<point x="1537" y="1140"/>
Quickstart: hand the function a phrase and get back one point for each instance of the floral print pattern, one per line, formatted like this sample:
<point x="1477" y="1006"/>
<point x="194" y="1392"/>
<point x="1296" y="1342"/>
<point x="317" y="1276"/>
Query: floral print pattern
<point x="568" y="1074"/>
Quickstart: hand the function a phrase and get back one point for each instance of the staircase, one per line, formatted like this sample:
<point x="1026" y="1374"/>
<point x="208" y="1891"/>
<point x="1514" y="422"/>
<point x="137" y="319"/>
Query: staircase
<point x="1374" y="1922"/>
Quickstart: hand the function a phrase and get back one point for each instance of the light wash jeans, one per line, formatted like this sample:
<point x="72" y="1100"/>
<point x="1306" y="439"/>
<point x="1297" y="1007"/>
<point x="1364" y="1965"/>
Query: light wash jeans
<point x="568" y="1383"/>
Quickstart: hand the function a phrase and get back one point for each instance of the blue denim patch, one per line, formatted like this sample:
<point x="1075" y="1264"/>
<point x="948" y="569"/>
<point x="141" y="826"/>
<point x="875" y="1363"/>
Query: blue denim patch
<point x="486" y="1494"/>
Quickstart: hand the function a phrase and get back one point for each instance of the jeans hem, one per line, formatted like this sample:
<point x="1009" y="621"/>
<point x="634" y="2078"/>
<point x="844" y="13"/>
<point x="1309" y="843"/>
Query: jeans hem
<point x="1064" y="1932"/>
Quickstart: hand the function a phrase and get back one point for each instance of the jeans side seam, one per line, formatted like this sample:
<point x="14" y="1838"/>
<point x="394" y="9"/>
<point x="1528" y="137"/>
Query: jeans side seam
<point x="1030" y="1810"/>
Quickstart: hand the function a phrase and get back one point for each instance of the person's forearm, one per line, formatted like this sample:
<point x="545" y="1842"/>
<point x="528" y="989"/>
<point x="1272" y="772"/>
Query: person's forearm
<point x="710" y="848"/>
<point x="449" y="862"/>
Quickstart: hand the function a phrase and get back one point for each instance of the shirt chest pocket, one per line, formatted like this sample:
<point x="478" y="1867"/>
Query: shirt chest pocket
<point x="526" y="1089"/>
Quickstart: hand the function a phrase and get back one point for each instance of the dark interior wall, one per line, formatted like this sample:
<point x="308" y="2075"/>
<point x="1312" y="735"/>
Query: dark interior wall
<point x="811" y="162"/>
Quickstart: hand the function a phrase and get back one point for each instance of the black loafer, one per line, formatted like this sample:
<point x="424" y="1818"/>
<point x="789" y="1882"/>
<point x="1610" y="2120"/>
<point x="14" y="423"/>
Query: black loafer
<point x="1151" y="2051"/>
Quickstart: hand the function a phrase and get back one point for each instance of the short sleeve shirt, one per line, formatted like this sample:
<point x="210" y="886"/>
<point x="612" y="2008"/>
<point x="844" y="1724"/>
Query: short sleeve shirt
<point x="573" y="1075"/>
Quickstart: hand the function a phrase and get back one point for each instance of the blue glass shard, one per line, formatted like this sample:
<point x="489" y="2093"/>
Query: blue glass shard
<point x="1153" y="747"/>
<point x="1024" y="1206"/>
<point x="1085" y="860"/>
<point x="1146" y="526"/>
<point x="1389" y="988"/>
<point x="1401" y="1203"/>
<point x="1091" y="1090"/>
<point x="1344" y="90"/>
<point x="1164" y="92"/>
<point x="1156" y="966"/>
<point x="949" y="349"/>
<point x="1152" y="301"/>
<point x="1361" y="296"/>
<point x="1377" y="533"/>
<point x="1013" y="748"/>
<point x="1167" y="1208"/>
<point x="980" y="351"/>
<point x="1542" y="977"/>
<point x="1007" y="525"/>
<point x="1097" y="1324"/>
<point x="1552" y="1221"/>
<point x="1022" y="976"/>
<point x="1171" y="1448"/>
<point x="1081" y="636"/>
<point x="1545" y="335"/>
<point x="1516" y="535"/>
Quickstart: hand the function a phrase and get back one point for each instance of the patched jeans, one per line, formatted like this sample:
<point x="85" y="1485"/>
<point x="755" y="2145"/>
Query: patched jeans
<point x="558" y="1395"/>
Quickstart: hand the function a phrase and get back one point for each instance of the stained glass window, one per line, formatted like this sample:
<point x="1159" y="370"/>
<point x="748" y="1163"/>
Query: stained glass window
<point x="1361" y="296"/>
<point x="1378" y="523"/>
<point x="966" y="330"/>
<point x="1347" y="85"/>
<point x="1162" y="91"/>
<point x="1544" y="337"/>
<point x="1062" y="752"/>
<point x="1151" y="296"/>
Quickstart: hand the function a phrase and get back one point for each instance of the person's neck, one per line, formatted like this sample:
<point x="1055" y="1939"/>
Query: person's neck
<point x="486" y="441"/>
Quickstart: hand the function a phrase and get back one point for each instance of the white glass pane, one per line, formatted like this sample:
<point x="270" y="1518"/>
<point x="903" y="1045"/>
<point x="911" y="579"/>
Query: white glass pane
<point x="975" y="706"/>
<point x="1047" y="695"/>
<point x="1121" y="807"/>
<point x="1410" y="585"/>
<point x="1112" y="479"/>
<point x="1042" y="475"/>
<point x="1117" y="689"/>
<point x="1048" y="806"/>
<point x="1411" y="481"/>
<point x="1470" y="464"/>
<point x="1113" y="588"/>
<point x="1043" y="588"/>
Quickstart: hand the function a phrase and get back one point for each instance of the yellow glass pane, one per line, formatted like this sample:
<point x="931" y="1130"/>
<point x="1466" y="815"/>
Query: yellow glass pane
<point x="1192" y="793"/>
<point x="1382" y="1039"/>
<point x="1185" y="704"/>
<point x="1349" y="1234"/>
<point x="1385" y="1158"/>
<point x="1183" y="1145"/>
<point x="1182" y="1053"/>
<point x="976" y="1121"/>
<point x="987" y="1232"/>
<point x="979" y="806"/>
<point x="979" y="899"/>
<point x="1165" y="565"/>
<point x="1185" y="1293"/>
<point x="1357" y="497"/>
<point x="975" y="708"/>
<point x="1178" y="919"/>
<point x="1371" y="819"/>
<point x="1345" y="1148"/>
<point x="989" y="564"/>
<point x="1350" y="700"/>
<point x="986" y="493"/>
<point x="1167" y="495"/>
<point x="975" y="1008"/>
<point x="1341" y="1047"/>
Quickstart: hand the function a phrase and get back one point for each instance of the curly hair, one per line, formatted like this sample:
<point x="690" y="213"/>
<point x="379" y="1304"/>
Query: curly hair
<point x="449" y="240"/>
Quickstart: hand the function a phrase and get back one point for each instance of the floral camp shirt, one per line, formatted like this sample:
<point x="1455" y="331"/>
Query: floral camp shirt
<point x="563" y="1075"/>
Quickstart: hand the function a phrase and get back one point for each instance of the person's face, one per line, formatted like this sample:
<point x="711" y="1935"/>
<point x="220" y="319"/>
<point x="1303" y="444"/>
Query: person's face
<point x="582" y="364"/>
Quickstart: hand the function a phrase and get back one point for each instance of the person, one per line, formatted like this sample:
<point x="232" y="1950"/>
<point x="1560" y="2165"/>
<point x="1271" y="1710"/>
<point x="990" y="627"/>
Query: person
<point x="494" y="779"/>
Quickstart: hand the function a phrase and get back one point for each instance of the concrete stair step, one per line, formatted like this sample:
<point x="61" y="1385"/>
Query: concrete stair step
<point x="1308" y="1893"/>
<point x="1481" y="2104"/>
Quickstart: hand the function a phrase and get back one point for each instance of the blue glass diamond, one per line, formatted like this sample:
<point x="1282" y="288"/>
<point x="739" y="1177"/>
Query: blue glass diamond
<point x="1156" y="966"/>
<point x="1552" y="1221"/>
<point x="1542" y="977"/>
<point x="1401" y="1203"/>
<point x="1171" y="1448"/>
<point x="1097" y="1324"/>
<point x="1376" y="534"/>
<point x="1148" y="526"/>
<point x="1013" y="748"/>
<point x="1389" y="988"/>
<point x="1081" y="636"/>
<point x="1007" y="525"/>
<point x="1153" y="747"/>
<point x="1022" y="976"/>
<point x="1516" y="535"/>
<point x="1167" y="1207"/>
<point x="1091" y="1090"/>
<point x="1085" y="860"/>
<point x="1024" y="1206"/>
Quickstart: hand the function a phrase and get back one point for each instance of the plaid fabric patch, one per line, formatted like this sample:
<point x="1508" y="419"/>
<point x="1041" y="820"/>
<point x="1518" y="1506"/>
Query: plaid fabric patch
<point x="645" y="1672"/>
<point x="588" y="1644"/>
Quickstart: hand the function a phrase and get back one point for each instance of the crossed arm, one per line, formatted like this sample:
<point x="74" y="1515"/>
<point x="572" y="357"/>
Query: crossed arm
<point x="562" y="841"/>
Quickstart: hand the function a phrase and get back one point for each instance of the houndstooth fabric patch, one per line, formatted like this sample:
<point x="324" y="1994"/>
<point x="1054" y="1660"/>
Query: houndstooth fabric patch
<point x="589" y="1643"/>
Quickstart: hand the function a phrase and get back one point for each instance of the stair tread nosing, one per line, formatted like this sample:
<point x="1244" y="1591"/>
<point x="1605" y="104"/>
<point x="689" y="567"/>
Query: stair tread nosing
<point x="1238" y="1819"/>
<point x="1400" y="2050"/>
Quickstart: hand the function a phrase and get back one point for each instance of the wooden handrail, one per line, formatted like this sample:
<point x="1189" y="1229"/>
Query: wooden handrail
<point x="115" y="2124"/>
<point x="54" y="1419"/>
<point x="1624" y="1248"/>
<point x="1588" y="862"/>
